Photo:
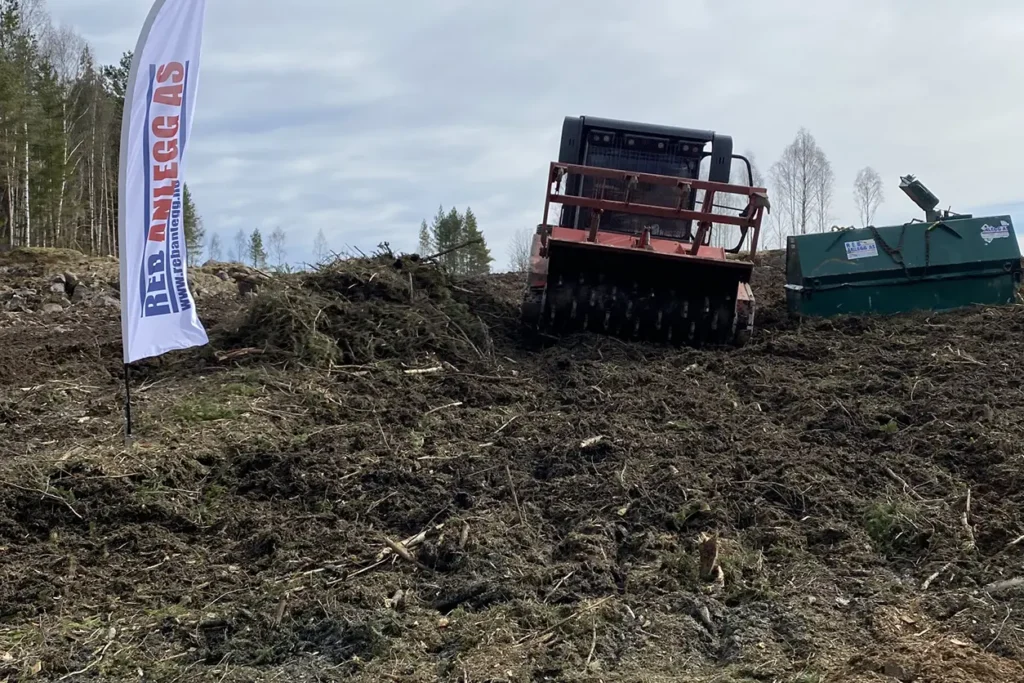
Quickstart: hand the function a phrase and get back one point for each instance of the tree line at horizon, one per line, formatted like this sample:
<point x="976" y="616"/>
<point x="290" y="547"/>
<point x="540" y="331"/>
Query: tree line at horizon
<point x="60" y="128"/>
<point x="60" y="134"/>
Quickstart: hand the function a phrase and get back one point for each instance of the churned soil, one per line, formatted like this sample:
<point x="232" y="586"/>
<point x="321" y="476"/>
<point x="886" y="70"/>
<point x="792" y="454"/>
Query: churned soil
<point x="373" y="474"/>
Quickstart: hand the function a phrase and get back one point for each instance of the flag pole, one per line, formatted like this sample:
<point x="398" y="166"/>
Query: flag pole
<point x="158" y="310"/>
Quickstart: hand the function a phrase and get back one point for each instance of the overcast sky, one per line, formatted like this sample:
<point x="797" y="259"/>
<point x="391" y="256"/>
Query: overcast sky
<point x="361" y="118"/>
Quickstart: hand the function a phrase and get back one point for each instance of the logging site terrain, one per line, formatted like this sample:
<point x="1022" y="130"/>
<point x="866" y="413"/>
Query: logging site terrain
<point x="373" y="473"/>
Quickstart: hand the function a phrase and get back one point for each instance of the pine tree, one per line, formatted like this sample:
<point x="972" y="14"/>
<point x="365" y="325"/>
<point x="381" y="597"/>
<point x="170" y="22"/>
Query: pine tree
<point x="46" y="145"/>
<point x="115" y="80"/>
<point x="257" y="254"/>
<point x="446" y="234"/>
<point x="478" y="256"/>
<point x="451" y="230"/>
<point x="195" y="233"/>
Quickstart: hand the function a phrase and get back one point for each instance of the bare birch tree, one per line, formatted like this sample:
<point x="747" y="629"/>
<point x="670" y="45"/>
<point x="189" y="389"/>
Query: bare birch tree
<point x="823" y="187"/>
<point x="66" y="52"/>
<point x="214" y="248"/>
<point x="240" y="247"/>
<point x="868" y="194"/>
<point x="320" y="246"/>
<point x="275" y="244"/>
<point x="519" y="250"/>
<point x="34" y="18"/>
<point x="802" y="186"/>
<point x="758" y="177"/>
<point x="725" y="234"/>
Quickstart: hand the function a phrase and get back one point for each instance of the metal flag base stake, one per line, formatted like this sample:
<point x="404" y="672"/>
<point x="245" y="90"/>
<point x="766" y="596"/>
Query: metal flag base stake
<point x="127" y="405"/>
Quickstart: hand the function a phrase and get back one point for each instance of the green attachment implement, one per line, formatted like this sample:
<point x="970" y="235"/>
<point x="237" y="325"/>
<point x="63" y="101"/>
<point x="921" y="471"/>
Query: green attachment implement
<point x="932" y="266"/>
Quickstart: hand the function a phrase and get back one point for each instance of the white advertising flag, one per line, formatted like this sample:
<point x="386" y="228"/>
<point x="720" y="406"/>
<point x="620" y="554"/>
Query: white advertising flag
<point x="158" y="312"/>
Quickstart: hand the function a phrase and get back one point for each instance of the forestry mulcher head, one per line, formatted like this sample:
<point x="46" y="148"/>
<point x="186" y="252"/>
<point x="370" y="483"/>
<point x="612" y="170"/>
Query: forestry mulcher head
<point x="632" y="253"/>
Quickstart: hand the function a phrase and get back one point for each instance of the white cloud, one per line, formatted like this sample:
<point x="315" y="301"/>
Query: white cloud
<point x="361" y="119"/>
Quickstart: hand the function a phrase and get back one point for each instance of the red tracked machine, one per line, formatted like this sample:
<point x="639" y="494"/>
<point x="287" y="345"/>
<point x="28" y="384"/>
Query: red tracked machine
<point x="632" y="252"/>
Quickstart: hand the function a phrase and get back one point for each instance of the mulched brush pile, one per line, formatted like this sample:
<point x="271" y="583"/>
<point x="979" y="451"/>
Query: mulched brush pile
<point x="374" y="474"/>
<point x="363" y="311"/>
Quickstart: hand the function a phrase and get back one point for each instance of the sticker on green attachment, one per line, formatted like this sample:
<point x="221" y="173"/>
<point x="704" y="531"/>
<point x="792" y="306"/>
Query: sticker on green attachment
<point x="995" y="232"/>
<point x="861" y="249"/>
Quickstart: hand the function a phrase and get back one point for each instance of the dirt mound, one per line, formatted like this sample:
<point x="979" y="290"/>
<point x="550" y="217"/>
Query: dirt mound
<point x="393" y="483"/>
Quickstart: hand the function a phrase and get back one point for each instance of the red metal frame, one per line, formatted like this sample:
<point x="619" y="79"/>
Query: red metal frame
<point x="757" y="202"/>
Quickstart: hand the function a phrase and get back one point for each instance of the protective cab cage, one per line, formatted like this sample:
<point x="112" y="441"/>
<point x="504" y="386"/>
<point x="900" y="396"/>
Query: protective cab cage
<point x="616" y="192"/>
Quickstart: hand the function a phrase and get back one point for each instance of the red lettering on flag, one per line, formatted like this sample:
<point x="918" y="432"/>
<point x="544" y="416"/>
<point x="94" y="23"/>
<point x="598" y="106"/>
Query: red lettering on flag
<point x="169" y="94"/>
<point x="165" y="126"/>
<point x="173" y="72"/>
<point x="164" y="152"/>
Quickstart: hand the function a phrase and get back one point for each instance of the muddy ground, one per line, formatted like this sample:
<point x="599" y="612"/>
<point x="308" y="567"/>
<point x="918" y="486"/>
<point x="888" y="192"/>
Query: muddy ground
<point x="360" y="479"/>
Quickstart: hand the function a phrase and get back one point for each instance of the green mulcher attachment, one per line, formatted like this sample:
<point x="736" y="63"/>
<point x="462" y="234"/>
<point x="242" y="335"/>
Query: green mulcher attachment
<point x="949" y="261"/>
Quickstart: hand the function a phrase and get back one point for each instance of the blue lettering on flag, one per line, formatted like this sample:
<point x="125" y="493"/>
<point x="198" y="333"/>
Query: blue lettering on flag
<point x="147" y="268"/>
